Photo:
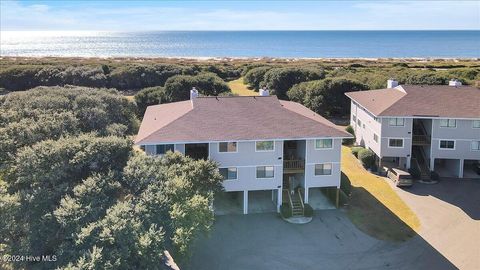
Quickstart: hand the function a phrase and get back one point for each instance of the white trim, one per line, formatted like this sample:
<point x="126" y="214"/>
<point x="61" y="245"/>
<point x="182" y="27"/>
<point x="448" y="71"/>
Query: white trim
<point x="325" y="148"/>
<point x="273" y="150"/>
<point x="250" y="140"/>
<point x="313" y="163"/>
<point x="249" y="166"/>
<point x="397" y="147"/>
<point x="273" y="177"/>
<point x="236" y="148"/>
<point x="227" y="173"/>
<point x="447" y="140"/>
<point x="467" y="140"/>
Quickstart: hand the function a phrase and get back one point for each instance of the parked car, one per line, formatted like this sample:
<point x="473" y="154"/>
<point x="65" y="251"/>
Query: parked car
<point x="400" y="178"/>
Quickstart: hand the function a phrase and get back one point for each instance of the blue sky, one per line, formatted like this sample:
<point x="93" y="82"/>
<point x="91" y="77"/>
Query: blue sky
<point x="238" y="15"/>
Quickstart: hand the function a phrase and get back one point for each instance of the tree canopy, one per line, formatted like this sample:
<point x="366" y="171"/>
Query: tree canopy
<point x="326" y="97"/>
<point x="73" y="186"/>
<point x="280" y="80"/>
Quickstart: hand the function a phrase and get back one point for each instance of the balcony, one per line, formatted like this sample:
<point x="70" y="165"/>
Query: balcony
<point x="294" y="166"/>
<point x="420" y="140"/>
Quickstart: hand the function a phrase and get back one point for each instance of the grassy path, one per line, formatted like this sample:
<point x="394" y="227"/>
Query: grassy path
<point x="375" y="208"/>
<point x="239" y="88"/>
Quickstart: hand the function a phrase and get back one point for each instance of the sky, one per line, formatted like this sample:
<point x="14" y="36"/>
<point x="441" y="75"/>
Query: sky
<point x="238" y="15"/>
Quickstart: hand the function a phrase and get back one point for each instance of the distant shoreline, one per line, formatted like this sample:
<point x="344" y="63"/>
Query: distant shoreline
<point x="256" y="59"/>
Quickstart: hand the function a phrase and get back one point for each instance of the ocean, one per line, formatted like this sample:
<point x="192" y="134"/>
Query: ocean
<point x="205" y="44"/>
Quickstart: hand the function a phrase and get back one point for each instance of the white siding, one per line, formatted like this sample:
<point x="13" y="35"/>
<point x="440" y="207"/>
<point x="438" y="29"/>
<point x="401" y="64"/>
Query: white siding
<point x="246" y="159"/>
<point x="319" y="156"/>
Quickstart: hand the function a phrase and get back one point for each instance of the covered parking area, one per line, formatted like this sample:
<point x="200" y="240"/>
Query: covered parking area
<point x="318" y="199"/>
<point x="246" y="202"/>
<point x="471" y="169"/>
<point x="449" y="168"/>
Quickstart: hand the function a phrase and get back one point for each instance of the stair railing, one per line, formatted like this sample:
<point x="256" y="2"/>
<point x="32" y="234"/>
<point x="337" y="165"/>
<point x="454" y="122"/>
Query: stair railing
<point x="301" y="201"/>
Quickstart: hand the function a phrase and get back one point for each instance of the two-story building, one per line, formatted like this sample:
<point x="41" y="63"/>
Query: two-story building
<point x="261" y="144"/>
<point x="434" y="127"/>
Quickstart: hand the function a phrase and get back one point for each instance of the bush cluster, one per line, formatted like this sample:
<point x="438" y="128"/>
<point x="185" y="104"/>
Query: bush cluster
<point x="367" y="157"/>
<point x="177" y="88"/>
<point x="356" y="149"/>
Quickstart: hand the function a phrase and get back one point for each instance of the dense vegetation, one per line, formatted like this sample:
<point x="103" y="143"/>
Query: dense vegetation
<point x="318" y="84"/>
<point x="177" y="88"/>
<point x="72" y="185"/>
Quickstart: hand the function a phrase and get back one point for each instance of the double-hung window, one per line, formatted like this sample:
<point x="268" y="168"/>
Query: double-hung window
<point x="476" y="124"/>
<point x="161" y="149"/>
<point x="228" y="173"/>
<point x="447" y="144"/>
<point x="263" y="146"/>
<point x="227" y="147"/>
<point x="448" y="123"/>
<point x="395" y="143"/>
<point x="375" y="137"/>
<point x="476" y="145"/>
<point x="265" y="172"/>
<point x="396" y="122"/>
<point x="323" y="143"/>
<point x="323" y="169"/>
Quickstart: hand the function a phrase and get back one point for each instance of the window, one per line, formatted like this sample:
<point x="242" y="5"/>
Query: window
<point x="225" y="147"/>
<point x="323" y="143"/>
<point x="359" y="122"/>
<point x="396" y="122"/>
<point x="323" y="169"/>
<point x="375" y="137"/>
<point x="228" y="173"/>
<point x="395" y="143"/>
<point x="363" y="126"/>
<point x="264" y="146"/>
<point x="354" y="118"/>
<point x="163" y="148"/>
<point x="476" y="123"/>
<point x="476" y="145"/>
<point x="450" y="123"/>
<point x="447" y="144"/>
<point x="265" y="172"/>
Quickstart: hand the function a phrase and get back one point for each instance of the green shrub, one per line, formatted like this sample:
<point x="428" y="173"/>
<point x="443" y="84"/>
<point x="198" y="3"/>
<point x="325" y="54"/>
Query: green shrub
<point x="280" y="80"/>
<point x="177" y="88"/>
<point x="326" y="97"/>
<point x="307" y="210"/>
<point x="150" y="96"/>
<point x="350" y="130"/>
<point x="255" y="76"/>
<point x="356" y="149"/>
<point x="367" y="157"/>
<point x="286" y="210"/>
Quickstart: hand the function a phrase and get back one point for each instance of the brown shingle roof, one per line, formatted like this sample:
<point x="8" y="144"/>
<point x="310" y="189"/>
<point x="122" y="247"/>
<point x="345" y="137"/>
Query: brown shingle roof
<point x="232" y="118"/>
<point x="421" y="100"/>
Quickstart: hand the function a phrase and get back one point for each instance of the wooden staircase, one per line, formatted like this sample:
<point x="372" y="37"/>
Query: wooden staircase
<point x="419" y="155"/>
